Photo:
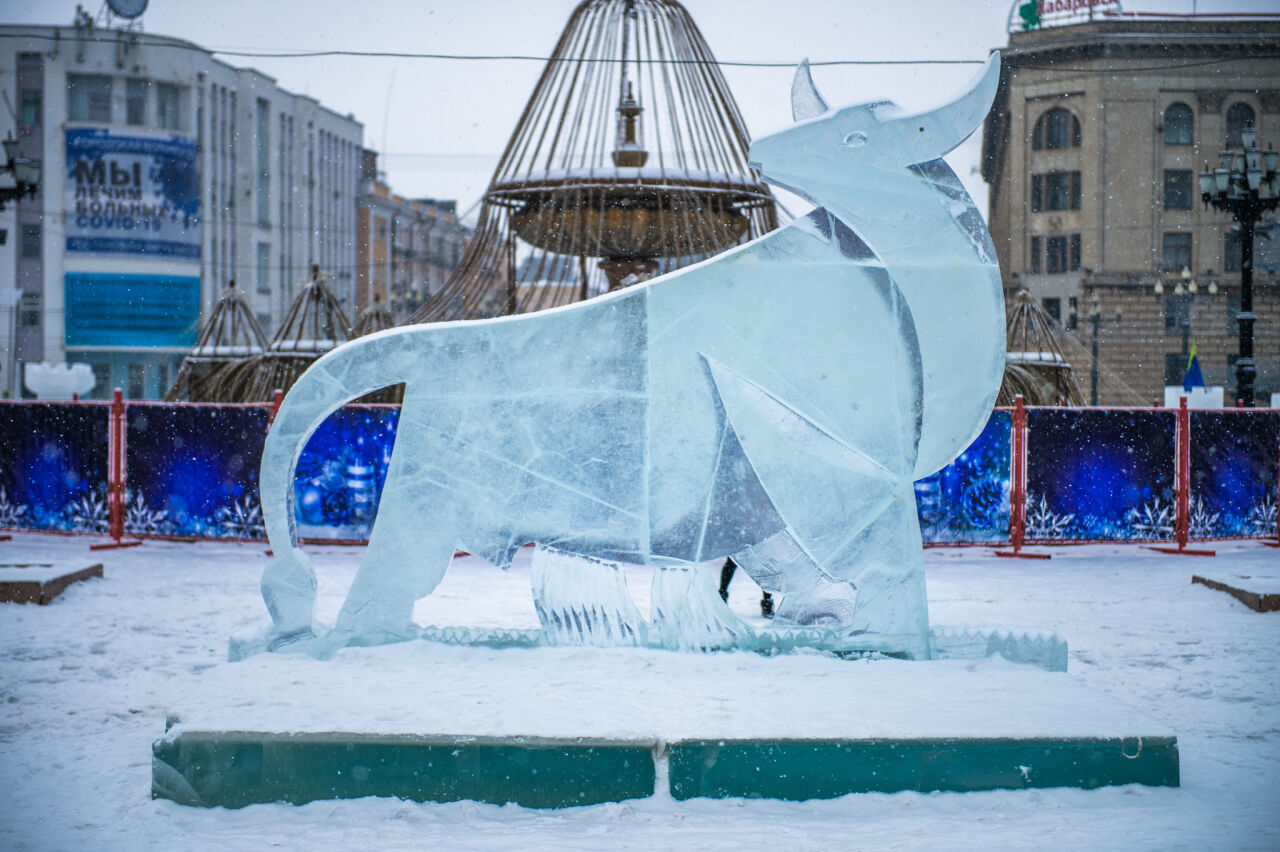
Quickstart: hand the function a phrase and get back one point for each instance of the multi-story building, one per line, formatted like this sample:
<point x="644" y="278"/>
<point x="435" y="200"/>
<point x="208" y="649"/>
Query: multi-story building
<point x="1092" y="154"/>
<point x="165" y="174"/>
<point x="406" y="247"/>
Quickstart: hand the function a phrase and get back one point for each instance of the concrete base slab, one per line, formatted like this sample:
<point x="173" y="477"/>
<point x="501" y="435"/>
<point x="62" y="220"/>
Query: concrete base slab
<point x="553" y="727"/>
<point x="1259" y="590"/>
<point x="40" y="582"/>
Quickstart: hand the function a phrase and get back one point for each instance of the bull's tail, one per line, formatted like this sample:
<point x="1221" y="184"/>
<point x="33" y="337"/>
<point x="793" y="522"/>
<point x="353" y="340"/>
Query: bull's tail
<point x="340" y="376"/>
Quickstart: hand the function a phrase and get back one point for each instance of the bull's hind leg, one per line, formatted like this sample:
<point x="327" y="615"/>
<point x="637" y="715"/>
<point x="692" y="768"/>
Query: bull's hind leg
<point x="410" y="548"/>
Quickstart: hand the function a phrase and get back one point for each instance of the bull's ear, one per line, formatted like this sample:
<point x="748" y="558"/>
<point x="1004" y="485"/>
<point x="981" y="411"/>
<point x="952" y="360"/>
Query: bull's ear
<point x="805" y="100"/>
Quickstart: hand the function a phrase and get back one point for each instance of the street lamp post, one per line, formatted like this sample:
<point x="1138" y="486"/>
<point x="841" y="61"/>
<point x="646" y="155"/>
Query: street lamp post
<point x="1236" y="186"/>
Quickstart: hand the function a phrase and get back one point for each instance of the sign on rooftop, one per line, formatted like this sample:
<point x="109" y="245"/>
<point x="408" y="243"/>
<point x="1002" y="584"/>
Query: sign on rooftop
<point x="1035" y="14"/>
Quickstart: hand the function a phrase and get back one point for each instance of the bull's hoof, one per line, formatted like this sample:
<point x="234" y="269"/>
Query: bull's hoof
<point x="829" y="605"/>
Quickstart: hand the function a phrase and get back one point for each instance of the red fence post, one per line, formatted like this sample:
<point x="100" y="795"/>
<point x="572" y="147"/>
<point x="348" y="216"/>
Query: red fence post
<point x="116" y="468"/>
<point x="1276" y="543"/>
<point x="1183" y="509"/>
<point x="1182" y="486"/>
<point x="1018" y="486"/>
<point x="276" y="399"/>
<point x="115" y="476"/>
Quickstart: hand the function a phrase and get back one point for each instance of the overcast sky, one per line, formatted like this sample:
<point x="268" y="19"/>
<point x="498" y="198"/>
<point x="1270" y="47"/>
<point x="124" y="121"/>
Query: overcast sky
<point x="440" y="125"/>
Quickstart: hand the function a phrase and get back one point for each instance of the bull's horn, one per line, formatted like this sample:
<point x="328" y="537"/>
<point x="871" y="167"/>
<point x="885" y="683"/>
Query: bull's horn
<point x="945" y="127"/>
<point x="805" y="100"/>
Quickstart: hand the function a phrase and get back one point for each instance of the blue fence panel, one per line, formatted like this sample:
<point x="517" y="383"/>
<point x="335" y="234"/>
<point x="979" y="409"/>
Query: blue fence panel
<point x="1100" y="474"/>
<point x="53" y="467"/>
<point x="193" y="470"/>
<point x="1233" y="473"/>
<point x="968" y="500"/>
<point x="340" y="473"/>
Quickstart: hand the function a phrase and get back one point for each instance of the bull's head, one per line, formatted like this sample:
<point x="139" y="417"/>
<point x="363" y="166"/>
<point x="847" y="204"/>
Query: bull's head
<point x="876" y="135"/>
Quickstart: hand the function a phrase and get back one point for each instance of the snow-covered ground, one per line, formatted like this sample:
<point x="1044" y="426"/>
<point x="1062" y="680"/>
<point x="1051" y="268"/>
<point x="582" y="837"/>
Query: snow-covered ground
<point x="86" y="682"/>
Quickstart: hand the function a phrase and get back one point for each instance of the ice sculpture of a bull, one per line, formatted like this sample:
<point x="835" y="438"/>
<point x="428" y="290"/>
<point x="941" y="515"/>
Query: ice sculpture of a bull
<point x="774" y="403"/>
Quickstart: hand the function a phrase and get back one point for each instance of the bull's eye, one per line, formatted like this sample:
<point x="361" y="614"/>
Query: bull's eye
<point x="856" y="139"/>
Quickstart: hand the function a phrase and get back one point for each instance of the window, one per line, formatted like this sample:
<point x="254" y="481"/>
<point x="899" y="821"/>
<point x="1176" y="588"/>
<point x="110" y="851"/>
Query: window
<point x="1057" y="128"/>
<point x="88" y="97"/>
<point x="31" y="242"/>
<point x="1037" y="193"/>
<point x="1231" y="251"/>
<point x="1073" y="312"/>
<point x="1052" y="306"/>
<point x="1175" y="368"/>
<point x="135" y="101"/>
<point x="1176" y="252"/>
<point x="1239" y="116"/>
<point x="1177" y="311"/>
<point x="264" y="267"/>
<point x="169" y="106"/>
<point x="1177" y="189"/>
<point x="1062" y="191"/>
<point x="263" y="132"/>
<point x="1177" y="124"/>
<point x="1233" y="315"/>
<point x="1056" y="255"/>
<point x="29" y="311"/>
<point x="137" y="381"/>
<point x="162" y="378"/>
<point x="101" y="380"/>
<point x="32" y="107"/>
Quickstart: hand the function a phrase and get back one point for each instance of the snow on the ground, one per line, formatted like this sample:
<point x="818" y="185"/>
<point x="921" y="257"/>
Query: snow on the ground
<point x="86" y="682"/>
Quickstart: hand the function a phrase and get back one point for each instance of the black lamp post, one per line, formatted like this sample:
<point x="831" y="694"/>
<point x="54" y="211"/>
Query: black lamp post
<point x="26" y="174"/>
<point x="1237" y="186"/>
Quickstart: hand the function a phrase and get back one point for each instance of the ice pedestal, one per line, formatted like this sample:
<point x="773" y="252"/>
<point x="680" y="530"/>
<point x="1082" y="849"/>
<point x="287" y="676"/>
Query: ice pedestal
<point x="559" y="726"/>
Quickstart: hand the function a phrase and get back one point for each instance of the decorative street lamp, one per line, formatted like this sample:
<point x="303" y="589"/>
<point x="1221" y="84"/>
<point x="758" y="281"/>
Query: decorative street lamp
<point x="26" y="174"/>
<point x="1237" y="186"/>
<point x="1185" y="285"/>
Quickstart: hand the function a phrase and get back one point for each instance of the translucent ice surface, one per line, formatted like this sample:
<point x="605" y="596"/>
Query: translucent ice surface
<point x="774" y="404"/>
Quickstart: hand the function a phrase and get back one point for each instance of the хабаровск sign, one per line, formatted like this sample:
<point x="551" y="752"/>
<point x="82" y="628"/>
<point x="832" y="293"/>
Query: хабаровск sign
<point x="132" y="193"/>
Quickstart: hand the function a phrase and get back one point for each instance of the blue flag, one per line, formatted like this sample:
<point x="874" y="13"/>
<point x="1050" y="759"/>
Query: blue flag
<point x="1193" y="378"/>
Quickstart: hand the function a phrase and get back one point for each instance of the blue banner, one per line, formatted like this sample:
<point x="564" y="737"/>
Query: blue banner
<point x="53" y="467"/>
<point x="968" y="500"/>
<point x="193" y="470"/>
<point x="111" y="309"/>
<point x="1097" y="474"/>
<point x="132" y="193"/>
<point x="341" y="471"/>
<point x="1233" y="473"/>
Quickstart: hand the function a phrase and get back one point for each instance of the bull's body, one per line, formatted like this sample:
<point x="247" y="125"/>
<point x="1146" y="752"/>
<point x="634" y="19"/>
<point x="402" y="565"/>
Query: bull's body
<point x="775" y="404"/>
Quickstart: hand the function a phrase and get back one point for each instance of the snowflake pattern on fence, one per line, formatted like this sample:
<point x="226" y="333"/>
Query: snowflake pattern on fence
<point x="242" y="519"/>
<point x="11" y="514"/>
<point x="1262" y="517"/>
<point x="1153" y="520"/>
<point x="1201" y="523"/>
<point x="1044" y="524"/>
<point x="89" y="514"/>
<point x="140" y="519"/>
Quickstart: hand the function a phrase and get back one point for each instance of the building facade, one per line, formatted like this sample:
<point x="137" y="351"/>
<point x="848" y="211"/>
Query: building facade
<point x="406" y="247"/>
<point x="1092" y="155"/>
<point x="165" y="174"/>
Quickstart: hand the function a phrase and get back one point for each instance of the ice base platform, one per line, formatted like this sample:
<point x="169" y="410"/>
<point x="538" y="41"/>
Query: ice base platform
<point x="558" y="727"/>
